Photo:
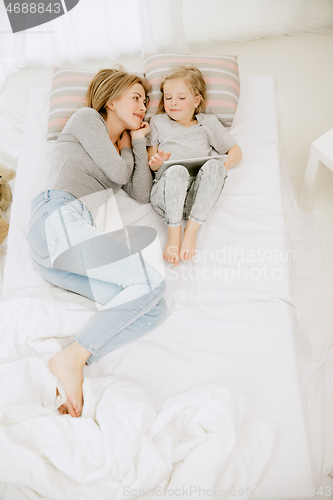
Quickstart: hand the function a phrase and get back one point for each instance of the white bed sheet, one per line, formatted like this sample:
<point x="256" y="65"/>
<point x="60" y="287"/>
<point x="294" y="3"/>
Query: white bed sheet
<point x="231" y="318"/>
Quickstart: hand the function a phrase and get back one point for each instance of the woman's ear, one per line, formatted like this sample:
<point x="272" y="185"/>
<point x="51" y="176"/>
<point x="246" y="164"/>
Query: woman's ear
<point x="110" y="105"/>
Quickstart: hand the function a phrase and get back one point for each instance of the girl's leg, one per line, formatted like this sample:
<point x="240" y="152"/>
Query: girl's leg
<point x="201" y="198"/>
<point x="188" y="247"/>
<point x="172" y="247"/>
<point x="168" y="198"/>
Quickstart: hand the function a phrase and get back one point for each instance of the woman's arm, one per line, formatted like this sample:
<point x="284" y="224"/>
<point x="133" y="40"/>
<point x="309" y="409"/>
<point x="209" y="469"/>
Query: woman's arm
<point x="234" y="156"/>
<point x="89" y="128"/>
<point x="141" y="181"/>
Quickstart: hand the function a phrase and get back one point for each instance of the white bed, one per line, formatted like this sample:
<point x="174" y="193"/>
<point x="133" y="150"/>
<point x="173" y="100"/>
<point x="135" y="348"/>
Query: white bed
<point x="223" y="362"/>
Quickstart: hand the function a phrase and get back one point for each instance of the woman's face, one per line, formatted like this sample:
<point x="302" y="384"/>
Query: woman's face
<point x="130" y="108"/>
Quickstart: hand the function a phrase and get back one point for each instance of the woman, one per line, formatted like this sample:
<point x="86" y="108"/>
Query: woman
<point x="102" y="147"/>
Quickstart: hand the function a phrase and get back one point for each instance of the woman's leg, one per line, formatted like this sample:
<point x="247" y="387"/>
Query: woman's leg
<point x="76" y="244"/>
<point x="102" y="292"/>
<point x="147" y="322"/>
<point x="200" y="199"/>
<point x="168" y="198"/>
<point x="68" y="365"/>
<point x="115" y="325"/>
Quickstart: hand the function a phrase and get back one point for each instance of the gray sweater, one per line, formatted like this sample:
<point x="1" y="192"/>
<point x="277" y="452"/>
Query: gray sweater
<point x="86" y="164"/>
<point x="205" y="138"/>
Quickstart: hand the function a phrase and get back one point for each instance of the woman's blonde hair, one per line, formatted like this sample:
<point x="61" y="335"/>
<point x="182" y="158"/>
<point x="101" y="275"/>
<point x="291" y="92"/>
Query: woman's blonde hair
<point x="194" y="80"/>
<point x="109" y="85"/>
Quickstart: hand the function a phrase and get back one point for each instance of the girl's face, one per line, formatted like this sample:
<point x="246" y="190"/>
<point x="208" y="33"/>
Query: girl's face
<point x="179" y="101"/>
<point x="130" y="108"/>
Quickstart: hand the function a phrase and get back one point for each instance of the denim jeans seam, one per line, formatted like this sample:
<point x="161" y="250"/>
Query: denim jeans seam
<point x="194" y="219"/>
<point x="85" y="345"/>
<point x="173" y="224"/>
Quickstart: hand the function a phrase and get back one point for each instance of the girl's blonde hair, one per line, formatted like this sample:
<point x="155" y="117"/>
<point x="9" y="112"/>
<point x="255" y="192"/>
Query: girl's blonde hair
<point x="109" y="85"/>
<point x="194" y="80"/>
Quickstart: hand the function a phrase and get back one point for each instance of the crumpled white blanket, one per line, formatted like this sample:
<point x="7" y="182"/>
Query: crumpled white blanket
<point x="122" y="445"/>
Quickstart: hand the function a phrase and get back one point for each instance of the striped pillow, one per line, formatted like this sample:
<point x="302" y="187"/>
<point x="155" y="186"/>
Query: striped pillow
<point x="220" y="74"/>
<point x="68" y="94"/>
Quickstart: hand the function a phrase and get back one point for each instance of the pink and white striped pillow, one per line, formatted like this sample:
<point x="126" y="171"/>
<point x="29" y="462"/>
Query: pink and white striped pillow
<point x="220" y="74"/>
<point x="68" y="94"/>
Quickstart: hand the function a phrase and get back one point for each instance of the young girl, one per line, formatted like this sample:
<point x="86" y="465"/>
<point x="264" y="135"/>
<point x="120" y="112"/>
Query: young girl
<point x="181" y="128"/>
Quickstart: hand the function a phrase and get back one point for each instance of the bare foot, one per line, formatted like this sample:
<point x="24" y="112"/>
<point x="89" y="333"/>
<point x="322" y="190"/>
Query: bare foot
<point x="187" y="250"/>
<point x="68" y="365"/>
<point x="172" y="247"/>
<point x="65" y="407"/>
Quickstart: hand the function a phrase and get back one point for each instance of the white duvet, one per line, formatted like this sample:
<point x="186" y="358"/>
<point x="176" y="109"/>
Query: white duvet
<point x="208" y="400"/>
<point x="122" y="445"/>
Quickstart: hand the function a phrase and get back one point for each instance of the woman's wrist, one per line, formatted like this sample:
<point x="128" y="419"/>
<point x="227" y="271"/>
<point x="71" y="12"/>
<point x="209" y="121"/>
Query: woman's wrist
<point x="140" y="142"/>
<point x="138" y="134"/>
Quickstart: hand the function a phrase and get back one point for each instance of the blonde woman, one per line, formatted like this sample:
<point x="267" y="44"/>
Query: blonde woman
<point x="181" y="130"/>
<point x="101" y="149"/>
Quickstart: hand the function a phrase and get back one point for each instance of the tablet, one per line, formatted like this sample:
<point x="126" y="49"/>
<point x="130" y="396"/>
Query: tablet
<point x="192" y="164"/>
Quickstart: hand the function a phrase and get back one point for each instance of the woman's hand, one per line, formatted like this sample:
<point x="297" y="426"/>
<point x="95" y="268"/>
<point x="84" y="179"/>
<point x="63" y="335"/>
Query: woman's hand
<point x="124" y="141"/>
<point x="158" y="159"/>
<point x="141" y="132"/>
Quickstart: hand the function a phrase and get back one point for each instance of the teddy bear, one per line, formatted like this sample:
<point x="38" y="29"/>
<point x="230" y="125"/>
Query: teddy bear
<point x="6" y="174"/>
<point x="4" y="228"/>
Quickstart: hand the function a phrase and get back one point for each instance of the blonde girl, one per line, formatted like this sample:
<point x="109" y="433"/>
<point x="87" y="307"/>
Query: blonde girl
<point x="181" y="130"/>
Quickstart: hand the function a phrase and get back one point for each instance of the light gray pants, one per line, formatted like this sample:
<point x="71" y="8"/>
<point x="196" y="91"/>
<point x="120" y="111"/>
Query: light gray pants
<point x="178" y="196"/>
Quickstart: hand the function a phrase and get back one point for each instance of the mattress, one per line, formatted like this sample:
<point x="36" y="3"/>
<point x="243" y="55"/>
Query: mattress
<point x="228" y="337"/>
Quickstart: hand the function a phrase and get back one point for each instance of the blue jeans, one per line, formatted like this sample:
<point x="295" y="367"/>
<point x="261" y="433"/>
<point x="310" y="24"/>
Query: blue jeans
<point x="177" y="196"/>
<point x="109" y="268"/>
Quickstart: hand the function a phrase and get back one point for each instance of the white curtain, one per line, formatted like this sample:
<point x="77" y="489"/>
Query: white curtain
<point x="94" y="29"/>
<point x="109" y="29"/>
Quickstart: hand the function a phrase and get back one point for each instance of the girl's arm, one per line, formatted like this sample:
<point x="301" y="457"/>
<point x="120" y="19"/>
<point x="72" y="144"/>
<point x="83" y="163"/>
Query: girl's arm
<point x="156" y="158"/>
<point x="222" y="141"/>
<point x="234" y="156"/>
<point x="152" y="150"/>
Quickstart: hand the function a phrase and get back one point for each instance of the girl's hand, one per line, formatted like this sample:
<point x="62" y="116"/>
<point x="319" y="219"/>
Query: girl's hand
<point x="141" y="132"/>
<point x="158" y="159"/>
<point x="234" y="156"/>
<point x="124" y="141"/>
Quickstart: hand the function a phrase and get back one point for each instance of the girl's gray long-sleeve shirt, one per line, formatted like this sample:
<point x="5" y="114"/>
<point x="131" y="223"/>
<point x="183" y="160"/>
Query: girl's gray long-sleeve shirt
<point x="86" y="164"/>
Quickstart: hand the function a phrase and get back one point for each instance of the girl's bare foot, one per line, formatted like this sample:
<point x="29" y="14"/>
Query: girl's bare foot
<point x="172" y="247"/>
<point x="187" y="250"/>
<point x="68" y="365"/>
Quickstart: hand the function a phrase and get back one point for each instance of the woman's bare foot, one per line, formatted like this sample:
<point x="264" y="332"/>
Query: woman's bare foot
<point x="68" y="366"/>
<point x="65" y="407"/>
<point x="187" y="250"/>
<point x="172" y="247"/>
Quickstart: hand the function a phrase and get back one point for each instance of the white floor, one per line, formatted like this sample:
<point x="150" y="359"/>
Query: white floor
<point x="303" y="68"/>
